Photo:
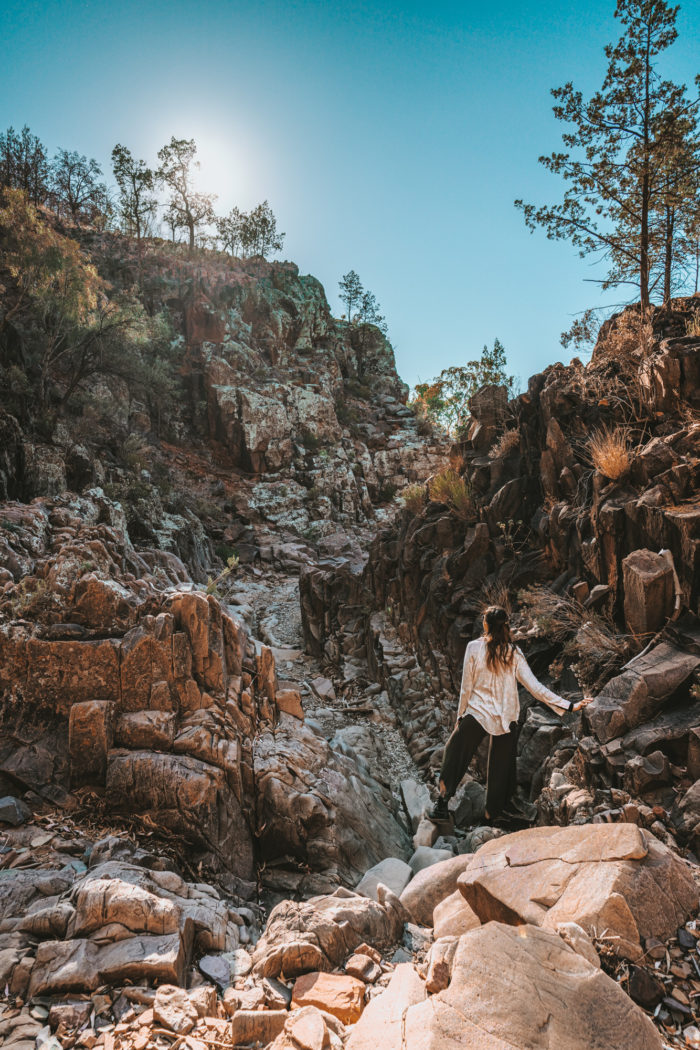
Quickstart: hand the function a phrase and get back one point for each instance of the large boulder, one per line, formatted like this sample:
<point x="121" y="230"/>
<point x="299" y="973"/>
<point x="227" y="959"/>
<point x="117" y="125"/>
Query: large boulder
<point x="646" y="684"/>
<point x="614" y="880"/>
<point x="522" y="987"/>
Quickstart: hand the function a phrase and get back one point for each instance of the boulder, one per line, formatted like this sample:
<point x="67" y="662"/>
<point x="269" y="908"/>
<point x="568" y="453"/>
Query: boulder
<point x="649" y="591"/>
<point x="338" y="994"/>
<point x="432" y="885"/>
<point x="645" y="685"/>
<point x="614" y="880"/>
<point x="173" y="1010"/>
<point x="256" y="1026"/>
<point x="440" y="959"/>
<point x="382" y="1022"/>
<point x="524" y="987"/>
<point x="14" y="811"/>
<point x="391" y="872"/>
<point x="453" y="917"/>
<point x="319" y="934"/>
<point x="416" y="799"/>
<point x="426" y="856"/>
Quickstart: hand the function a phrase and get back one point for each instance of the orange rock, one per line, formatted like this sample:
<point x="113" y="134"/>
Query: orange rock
<point x="337" y="994"/>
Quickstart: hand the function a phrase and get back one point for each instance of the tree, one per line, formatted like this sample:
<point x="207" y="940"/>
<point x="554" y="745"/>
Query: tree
<point x="368" y="312"/>
<point x="259" y="234"/>
<point x="187" y="208"/>
<point x="445" y="400"/>
<point x="616" y="149"/>
<point x="230" y="231"/>
<point x="135" y="182"/>
<point x="23" y="164"/>
<point x="351" y="291"/>
<point x="75" y="187"/>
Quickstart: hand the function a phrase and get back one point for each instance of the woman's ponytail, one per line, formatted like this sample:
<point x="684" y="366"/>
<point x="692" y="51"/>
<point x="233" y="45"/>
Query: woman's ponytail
<point x="499" y="647"/>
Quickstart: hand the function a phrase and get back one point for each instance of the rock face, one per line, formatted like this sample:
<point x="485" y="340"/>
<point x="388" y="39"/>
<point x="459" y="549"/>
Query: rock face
<point x="612" y="880"/>
<point x="159" y="698"/>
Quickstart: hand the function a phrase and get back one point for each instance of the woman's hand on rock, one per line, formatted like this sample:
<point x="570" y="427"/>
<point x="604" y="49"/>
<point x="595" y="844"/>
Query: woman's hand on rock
<point x="580" y="704"/>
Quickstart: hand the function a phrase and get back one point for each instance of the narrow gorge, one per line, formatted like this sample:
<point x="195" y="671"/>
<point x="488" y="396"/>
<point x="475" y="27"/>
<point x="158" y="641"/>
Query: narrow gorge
<point x="237" y="577"/>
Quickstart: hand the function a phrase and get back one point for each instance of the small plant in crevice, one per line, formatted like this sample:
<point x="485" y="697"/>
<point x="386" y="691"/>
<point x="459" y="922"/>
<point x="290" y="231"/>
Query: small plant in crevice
<point x="414" y="497"/>
<point x="214" y="582"/>
<point x="513" y="534"/>
<point x="508" y="442"/>
<point x="454" y="491"/>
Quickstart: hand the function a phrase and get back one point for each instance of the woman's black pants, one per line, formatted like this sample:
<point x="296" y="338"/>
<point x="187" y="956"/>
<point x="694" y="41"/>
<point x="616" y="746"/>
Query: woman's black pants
<point x="461" y="748"/>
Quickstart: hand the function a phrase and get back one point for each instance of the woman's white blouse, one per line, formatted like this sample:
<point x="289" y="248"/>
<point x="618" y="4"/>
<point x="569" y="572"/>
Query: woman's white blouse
<point x="492" y="696"/>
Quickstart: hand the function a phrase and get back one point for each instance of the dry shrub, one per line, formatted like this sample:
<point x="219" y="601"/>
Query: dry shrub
<point x="609" y="450"/>
<point x="505" y="444"/>
<point x="692" y="325"/>
<point x="451" y="489"/>
<point x="413" y="498"/>
<point x="592" y="645"/>
<point x="629" y="335"/>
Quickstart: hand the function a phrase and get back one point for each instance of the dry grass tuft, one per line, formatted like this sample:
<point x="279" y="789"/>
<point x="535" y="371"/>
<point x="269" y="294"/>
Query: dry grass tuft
<point x="609" y="449"/>
<point x="495" y="592"/>
<point x="594" y="648"/>
<point x="413" y="497"/>
<point x="452" y="490"/>
<point x="505" y="444"/>
<point x="692" y="325"/>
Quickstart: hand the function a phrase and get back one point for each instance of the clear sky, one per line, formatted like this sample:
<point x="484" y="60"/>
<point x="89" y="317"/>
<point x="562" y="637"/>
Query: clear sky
<point x="391" y="138"/>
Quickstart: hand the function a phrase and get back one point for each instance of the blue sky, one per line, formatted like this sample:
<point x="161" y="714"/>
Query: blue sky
<point x="391" y="138"/>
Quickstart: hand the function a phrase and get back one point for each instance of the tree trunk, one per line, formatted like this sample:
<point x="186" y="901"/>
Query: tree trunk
<point x="668" y="252"/>
<point x="644" y="230"/>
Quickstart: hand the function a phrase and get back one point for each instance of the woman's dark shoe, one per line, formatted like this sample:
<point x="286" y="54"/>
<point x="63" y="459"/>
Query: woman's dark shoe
<point x="440" y="813"/>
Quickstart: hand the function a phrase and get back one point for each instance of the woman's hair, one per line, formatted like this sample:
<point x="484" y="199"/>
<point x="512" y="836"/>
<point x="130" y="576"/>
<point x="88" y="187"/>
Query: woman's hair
<point x="499" y="647"/>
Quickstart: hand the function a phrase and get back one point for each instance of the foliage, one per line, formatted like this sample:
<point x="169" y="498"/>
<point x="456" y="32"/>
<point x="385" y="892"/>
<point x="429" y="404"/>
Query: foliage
<point x="413" y="497"/>
<point x="187" y="208"/>
<point x="630" y="158"/>
<point x="69" y="327"/>
<point x="450" y="488"/>
<point x="692" y="325"/>
<point x="609" y="450"/>
<point x="229" y="229"/>
<point x="445" y="400"/>
<point x="590" y="640"/>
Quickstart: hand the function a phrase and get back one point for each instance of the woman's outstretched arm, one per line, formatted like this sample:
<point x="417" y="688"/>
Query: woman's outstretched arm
<point x="541" y="692"/>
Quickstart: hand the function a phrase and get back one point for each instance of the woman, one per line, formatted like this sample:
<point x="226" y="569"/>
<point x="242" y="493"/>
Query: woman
<point x="489" y="706"/>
